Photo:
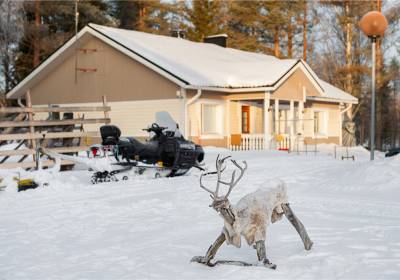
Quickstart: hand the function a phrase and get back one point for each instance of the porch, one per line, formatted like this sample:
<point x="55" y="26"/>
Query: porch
<point x="250" y="122"/>
<point x="263" y="122"/>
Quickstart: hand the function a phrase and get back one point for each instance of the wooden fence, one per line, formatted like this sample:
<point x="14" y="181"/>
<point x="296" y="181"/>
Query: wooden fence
<point x="40" y="131"/>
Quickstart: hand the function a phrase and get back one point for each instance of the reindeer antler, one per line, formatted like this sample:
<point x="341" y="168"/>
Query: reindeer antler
<point x="219" y="165"/>
<point x="233" y="183"/>
<point x="219" y="169"/>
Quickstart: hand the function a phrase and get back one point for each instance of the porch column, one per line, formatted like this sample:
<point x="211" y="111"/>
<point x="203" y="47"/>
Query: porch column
<point x="291" y="123"/>
<point x="228" y="122"/>
<point x="184" y="125"/>
<point x="266" y="121"/>
<point x="276" y="112"/>
<point x="341" y="126"/>
<point x="301" y="109"/>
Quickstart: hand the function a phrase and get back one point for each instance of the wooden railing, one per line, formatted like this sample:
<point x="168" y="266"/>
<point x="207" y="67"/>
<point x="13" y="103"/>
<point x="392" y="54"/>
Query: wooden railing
<point x="249" y="142"/>
<point x="39" y="131"/>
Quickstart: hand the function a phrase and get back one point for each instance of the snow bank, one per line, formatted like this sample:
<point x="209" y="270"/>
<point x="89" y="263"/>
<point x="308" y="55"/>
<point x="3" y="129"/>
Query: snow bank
<point x="150" y="229"/>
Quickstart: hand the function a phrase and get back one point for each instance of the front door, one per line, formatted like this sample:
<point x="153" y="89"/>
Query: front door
<point x="245" y="119"/>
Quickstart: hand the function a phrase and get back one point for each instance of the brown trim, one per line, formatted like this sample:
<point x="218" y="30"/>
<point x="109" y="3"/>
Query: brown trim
<point x="328" y="140"/>
<point x="245" y="116"/>
<point x="220" y="142"/>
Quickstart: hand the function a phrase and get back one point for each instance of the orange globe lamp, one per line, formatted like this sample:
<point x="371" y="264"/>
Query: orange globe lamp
<point x="374" y="25"/>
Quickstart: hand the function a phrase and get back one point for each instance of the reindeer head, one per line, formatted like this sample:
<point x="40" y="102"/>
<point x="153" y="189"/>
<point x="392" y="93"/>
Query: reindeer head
<point x="221" y="202"/>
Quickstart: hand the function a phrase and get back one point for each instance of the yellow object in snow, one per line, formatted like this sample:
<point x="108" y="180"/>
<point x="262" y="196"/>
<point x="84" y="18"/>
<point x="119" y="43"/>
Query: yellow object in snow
<point x="26" y="182"/>
<point x="279" y="138"/>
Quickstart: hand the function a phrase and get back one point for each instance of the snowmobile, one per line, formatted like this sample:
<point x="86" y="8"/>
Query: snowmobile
<point x="167" y="153"/>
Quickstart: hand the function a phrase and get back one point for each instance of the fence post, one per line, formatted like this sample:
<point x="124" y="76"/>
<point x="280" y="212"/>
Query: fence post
<point x="335" y="151"/>
<point x="32" y="142"/>
<point x="106" y="115"/>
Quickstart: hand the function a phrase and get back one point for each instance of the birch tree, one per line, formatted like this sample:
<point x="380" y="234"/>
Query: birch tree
<point x="10" y="32"/>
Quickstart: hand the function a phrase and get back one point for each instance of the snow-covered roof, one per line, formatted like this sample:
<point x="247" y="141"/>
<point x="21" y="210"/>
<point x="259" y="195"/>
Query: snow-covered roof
<point x="202" y="64"/>
<point x="209" y="65"/>
<point x="334" y="93"/>
<point x="194" y="65"/>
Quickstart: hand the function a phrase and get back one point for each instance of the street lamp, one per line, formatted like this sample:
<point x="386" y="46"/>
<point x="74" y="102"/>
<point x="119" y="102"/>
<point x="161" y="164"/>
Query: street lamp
<point x="373" y="24"/>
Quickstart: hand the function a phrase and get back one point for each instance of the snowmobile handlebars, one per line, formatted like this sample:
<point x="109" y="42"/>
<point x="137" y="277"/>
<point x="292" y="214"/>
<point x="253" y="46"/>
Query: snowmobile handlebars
<point x="155" y="128"/>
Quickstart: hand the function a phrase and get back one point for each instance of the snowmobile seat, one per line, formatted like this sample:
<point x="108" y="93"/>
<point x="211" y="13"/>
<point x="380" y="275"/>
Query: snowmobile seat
<point x="110" y="134"/>
<point x="149" y="148"/>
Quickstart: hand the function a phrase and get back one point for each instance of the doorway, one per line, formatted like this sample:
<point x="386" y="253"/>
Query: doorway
<point x="245" y="119"/>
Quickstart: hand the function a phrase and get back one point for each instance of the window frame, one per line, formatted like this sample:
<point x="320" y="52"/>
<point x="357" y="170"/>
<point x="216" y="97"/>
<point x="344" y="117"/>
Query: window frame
<point x="322" y="133"/>
<point x="220" y="119"/>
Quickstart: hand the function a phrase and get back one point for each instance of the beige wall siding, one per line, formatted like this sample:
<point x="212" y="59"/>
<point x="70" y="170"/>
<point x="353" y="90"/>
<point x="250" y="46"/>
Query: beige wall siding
<point x="292" y="88"/>
<point x="194" y="112"/>
<point x="327" y="140"/>
<point x="218" y="142"/>
<point x="308" y="122"/>
<point x="118" y="77"/>
<point x="132" y="116"/>
<point x="257" y="119"/>
<point x="235" y="115"/>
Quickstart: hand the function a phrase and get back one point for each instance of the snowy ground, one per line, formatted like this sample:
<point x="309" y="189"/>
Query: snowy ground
<point x="150" y="229"/>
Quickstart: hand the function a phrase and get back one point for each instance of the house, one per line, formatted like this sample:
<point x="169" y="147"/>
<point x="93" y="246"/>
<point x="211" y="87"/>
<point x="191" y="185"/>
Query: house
<point x="219" y="96"/>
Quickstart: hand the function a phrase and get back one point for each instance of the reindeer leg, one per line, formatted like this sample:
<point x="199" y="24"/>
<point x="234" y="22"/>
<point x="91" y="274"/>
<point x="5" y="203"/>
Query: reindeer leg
<point x="262" y="255"/>
<point x="298" y="226"/>
<point x="211" y="252"/>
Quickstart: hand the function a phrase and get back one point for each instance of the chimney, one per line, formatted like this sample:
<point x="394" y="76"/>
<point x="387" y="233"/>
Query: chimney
<point x="219" y="40"/>
<point x="178" y="33"/>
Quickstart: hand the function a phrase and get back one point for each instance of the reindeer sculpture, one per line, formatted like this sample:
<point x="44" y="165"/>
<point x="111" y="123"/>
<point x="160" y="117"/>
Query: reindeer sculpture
<point x="250" y="217"/>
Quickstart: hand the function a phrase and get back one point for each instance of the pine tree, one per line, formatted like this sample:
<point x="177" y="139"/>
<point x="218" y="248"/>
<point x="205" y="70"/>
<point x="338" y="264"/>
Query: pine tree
<point x="148" y="16"/>
<point x="304" y="24"/>
<point x="11" y="25"/>
<point x="205" y="17"/>
<point x="243" y="26"/>
<point x="48" y="24"/>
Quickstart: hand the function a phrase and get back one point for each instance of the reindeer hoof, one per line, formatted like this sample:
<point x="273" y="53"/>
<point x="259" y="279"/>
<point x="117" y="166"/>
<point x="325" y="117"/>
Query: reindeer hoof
<point x="199" y="259"/>
<point x="202" y="260"/>
<point x="268" y="264"/>
<point x="309" y="246"/>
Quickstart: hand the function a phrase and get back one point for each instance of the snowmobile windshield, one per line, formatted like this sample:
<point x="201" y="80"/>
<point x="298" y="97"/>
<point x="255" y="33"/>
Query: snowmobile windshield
<point x="164" y="119"/>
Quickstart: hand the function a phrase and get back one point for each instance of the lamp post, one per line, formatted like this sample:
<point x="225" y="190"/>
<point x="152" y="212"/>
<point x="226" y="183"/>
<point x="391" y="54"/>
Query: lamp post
<point x="373" y="24"/>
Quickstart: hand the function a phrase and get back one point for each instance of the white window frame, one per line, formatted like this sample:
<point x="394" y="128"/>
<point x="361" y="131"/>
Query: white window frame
<point x="220" y="118"/>
<point x="324" y="133"/>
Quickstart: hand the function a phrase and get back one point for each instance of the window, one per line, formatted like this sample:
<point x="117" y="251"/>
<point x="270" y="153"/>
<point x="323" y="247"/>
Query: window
<point x="209" y="116"/>
<point x="320" y="123"/>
